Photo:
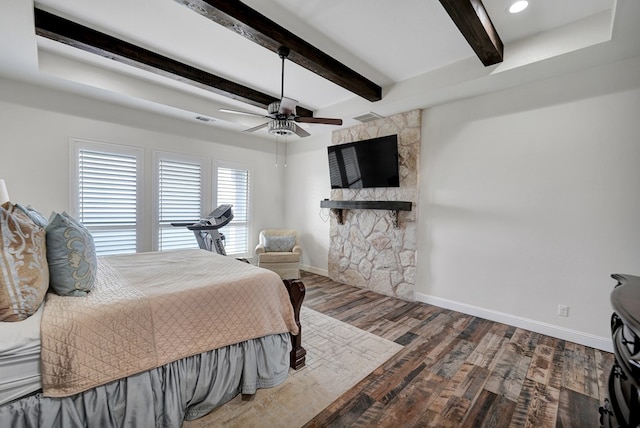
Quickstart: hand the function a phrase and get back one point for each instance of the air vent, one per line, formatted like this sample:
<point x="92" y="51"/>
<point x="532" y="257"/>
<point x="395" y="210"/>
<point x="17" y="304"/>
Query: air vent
<point x="368" y="117"/>
<point x="204" y="118"/>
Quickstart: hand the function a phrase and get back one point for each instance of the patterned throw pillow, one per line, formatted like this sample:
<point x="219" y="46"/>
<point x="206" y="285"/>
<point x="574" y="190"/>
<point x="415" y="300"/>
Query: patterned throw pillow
<point x="279" y="243"/>
<point x="71" y="254"/>
<point x="34" y="215"/>
<point x="23" y="264"/>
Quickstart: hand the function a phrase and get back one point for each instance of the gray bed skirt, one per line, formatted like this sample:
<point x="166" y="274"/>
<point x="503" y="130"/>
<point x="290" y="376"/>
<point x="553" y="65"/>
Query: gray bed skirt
<point x="163" y="397"/>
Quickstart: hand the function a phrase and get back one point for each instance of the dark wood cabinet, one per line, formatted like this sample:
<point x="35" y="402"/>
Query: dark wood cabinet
<point x="622" y="408"/>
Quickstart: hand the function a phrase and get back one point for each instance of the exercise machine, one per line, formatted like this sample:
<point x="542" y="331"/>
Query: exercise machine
<point x="206" y="230"/>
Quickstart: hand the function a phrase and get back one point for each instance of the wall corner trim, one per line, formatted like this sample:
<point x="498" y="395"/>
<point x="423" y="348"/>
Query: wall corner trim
<point x="317" y="271"/>
<point x="586" y="339"/>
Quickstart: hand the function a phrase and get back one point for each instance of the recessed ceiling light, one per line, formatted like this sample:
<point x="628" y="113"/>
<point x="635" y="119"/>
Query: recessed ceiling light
<point x="518" y="6"/>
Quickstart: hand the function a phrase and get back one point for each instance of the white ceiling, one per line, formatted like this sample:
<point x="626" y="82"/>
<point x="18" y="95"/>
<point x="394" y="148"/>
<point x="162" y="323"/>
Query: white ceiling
<point x="410" y="47"/>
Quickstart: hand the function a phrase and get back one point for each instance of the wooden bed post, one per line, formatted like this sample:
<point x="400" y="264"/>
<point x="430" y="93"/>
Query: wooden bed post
<point x="296" y="290"/>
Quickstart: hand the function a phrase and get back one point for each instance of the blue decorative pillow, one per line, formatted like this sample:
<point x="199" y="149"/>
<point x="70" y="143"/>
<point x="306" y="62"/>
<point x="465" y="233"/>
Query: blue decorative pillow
<point x="34" y="215"/>
<point x="279" y="243"/>
<point x="71" y="255"/>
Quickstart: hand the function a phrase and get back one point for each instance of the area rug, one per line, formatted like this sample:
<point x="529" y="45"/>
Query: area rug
<point x="338" y="357"/>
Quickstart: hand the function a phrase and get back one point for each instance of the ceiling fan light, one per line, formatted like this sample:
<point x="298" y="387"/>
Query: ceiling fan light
<point x="281" y="127"/>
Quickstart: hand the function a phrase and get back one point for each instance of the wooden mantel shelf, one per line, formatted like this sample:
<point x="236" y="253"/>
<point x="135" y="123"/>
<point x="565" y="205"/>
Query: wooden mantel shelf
<point x="367" y="205"/>
<point x="393" y="206"/>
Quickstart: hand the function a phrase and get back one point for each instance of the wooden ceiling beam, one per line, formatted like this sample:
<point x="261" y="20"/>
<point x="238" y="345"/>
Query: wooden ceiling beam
<point x="474" y="23"/>
<point x="68" y="32"/>
<point x="240" y="18"/>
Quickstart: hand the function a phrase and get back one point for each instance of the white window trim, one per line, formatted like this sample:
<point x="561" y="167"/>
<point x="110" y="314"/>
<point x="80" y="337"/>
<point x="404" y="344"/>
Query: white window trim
<point x="214" y="197"/>
<point x="77" y="144"/>
<point x="205" y="187"/>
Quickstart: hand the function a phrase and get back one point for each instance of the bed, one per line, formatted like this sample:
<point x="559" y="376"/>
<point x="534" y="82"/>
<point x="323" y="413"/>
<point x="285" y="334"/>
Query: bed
<point x="162" y="337"/>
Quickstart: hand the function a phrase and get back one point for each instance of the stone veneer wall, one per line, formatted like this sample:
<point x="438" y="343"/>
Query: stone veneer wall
<point x="367" y="251"/>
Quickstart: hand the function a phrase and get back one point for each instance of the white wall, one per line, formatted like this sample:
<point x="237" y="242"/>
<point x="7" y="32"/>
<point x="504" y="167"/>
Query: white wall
<point x="307" y="183"/>
<point x="530" y="198"/>
<point x="37" y="123"/>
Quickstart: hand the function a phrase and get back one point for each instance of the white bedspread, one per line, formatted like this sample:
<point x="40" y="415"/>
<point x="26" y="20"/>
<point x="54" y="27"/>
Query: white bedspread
<point x="20" y="357"/>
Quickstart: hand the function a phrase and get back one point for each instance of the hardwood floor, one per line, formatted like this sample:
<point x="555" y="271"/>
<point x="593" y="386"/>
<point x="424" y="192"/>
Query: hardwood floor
<point x="457" y="370"/>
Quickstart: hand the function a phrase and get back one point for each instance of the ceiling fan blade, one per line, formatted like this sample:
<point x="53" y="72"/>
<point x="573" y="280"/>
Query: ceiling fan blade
<point x="255" y="128"/>
<point x="323" y="120"/>
<point x="246" y="113"/>
<point x="300" y="132"/>
<point x="288" y="106"/>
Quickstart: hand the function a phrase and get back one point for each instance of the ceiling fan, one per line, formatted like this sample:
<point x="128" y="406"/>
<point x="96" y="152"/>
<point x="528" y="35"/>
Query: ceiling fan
<point x="283" y="113"/>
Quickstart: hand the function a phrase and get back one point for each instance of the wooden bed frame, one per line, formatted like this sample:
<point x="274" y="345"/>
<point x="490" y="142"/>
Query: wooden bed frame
<point x="296" y="291"/>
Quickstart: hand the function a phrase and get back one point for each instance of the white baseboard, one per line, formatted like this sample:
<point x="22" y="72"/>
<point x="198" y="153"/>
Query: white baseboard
<point x="317" y="271"/>
<point x="586" y="339"/>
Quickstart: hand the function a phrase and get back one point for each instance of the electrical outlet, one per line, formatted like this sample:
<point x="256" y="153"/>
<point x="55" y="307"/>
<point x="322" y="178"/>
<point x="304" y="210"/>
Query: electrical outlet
<point x="563" y="310"/>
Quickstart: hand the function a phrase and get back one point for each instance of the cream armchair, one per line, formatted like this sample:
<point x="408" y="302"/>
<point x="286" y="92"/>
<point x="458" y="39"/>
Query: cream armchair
<point x="279" y="251"/>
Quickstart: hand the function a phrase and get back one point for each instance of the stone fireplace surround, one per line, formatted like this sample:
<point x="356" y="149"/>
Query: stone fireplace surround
<point x="367" y="251"/>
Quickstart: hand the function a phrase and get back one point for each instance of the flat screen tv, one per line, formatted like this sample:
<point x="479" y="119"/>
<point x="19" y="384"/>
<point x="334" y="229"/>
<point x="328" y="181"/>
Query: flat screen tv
<point x="365" y="164"/>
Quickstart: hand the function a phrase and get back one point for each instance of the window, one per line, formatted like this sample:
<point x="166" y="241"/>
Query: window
<point x="233" y="188"/>
<point x="106" y="195"/>
<point x="179" y="182"/>
<point x="107" y="192"/>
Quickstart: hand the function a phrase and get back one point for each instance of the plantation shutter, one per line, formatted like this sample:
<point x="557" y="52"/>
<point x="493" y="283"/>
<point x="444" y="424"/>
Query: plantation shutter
<point x="179" y="201"/>
<point x="352" y="168"/>
<point x="334" y="170"/>
<point x="107" y="200"/>
<point x="233" y="188"/>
